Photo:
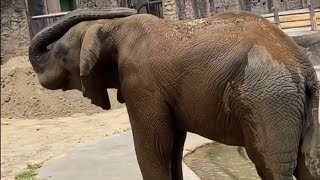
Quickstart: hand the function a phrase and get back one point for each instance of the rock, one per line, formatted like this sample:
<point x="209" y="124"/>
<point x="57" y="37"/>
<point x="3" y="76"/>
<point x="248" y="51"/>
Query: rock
<point x="310" y="44"/>
<point x="306" y="40"/>
<point x="7" y="99"/>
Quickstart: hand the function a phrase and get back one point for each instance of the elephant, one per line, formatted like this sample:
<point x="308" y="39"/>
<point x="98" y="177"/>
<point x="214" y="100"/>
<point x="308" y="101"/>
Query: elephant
<point x="233" y="77"/>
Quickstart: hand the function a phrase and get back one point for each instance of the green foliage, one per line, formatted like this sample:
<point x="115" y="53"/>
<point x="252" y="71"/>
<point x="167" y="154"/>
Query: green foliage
<point x="28" y="173"/>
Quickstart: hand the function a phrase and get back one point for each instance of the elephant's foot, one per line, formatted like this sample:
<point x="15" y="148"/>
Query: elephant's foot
<point x="274" y="157"/>
<point x="302" y="171"/>
<point x="271" y="169"/>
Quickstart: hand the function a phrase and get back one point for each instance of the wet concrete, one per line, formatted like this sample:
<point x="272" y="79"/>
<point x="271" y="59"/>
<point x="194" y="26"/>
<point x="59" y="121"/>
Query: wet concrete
<point x="221" y="162"/>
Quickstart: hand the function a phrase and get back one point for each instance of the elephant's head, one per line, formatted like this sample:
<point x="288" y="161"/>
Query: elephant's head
<point x="74" y="47"/>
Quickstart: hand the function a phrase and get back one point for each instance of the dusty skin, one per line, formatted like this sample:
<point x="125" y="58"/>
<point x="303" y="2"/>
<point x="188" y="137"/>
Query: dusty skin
<point x="28" y="137"/>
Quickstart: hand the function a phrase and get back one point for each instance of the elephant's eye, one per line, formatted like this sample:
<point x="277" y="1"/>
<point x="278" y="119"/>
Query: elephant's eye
<point x="64" y="60"/>
<point x="63" y="50"/>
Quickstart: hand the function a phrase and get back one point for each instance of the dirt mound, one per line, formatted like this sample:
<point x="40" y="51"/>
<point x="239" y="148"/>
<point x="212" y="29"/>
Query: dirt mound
<point x="23" y="97"/>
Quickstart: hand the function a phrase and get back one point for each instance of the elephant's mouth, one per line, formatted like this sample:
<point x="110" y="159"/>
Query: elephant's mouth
<point x="102" y="99"/>
<point x="70" y="82"/>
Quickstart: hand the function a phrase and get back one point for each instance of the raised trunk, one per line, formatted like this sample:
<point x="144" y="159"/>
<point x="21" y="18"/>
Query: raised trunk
<point x="38" y="52"/>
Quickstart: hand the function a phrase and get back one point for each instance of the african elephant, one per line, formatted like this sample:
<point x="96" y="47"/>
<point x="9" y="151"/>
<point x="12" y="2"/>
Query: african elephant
<point x="234" y="78"/>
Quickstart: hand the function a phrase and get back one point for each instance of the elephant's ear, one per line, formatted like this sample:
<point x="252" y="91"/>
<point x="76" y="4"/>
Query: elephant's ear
<point x="90" y="50"/>
<point x="91" y="80"/>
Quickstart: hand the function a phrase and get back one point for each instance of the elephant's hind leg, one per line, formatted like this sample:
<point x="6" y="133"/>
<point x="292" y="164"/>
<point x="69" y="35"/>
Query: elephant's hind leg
<point x="302" y="172"/>
<point x="273" y="149"/>
<point x="306" y="165"/>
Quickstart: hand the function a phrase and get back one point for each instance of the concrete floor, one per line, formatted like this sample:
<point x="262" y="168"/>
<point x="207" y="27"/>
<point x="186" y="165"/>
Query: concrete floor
<point x="112" y="158"/>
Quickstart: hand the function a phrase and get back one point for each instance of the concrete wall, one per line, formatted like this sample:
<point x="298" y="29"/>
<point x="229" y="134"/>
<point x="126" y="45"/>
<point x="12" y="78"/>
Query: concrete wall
<point x="14" y="31"/>
<point x="260" y="6"/>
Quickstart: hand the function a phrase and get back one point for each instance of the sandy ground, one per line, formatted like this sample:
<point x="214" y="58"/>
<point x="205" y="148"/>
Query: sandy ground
<point x="40" y="140"/>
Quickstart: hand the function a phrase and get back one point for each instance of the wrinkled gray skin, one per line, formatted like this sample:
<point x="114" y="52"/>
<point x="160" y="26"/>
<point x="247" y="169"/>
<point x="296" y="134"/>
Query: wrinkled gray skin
<point x="235" y="79"/>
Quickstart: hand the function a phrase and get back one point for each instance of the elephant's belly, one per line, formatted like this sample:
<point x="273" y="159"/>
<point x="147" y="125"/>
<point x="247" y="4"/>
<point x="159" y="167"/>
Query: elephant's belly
<point x="219" y="134"/>
<point x="209" y="120"/>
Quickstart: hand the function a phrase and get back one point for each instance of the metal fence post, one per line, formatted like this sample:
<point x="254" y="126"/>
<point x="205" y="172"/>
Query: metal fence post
<point x="276" y="17"/>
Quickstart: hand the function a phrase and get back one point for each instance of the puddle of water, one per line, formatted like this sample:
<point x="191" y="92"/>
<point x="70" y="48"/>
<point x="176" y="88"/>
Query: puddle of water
<point x="221" y="162"/>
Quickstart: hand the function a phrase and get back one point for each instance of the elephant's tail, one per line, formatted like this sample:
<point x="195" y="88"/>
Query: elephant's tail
<point x="311" y="139"/>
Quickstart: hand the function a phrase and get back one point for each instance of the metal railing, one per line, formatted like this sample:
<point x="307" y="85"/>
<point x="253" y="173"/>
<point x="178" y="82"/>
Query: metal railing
<point x="152" y="7"/>
<point x="53" y="15"/>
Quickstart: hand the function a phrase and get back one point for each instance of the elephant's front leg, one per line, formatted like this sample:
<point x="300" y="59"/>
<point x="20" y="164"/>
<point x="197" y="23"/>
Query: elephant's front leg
<point x="177" y="153"/>
<point x="153" y="136"/>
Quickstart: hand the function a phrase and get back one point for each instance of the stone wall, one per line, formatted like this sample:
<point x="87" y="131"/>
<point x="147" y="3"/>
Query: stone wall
<point x="193" y="9"/>
<point x="14" y="29"/>
<point x="260" y="6"/>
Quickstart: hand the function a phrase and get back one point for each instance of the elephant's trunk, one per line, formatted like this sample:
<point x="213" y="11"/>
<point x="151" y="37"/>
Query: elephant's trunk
<point x="49" y="72"/>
